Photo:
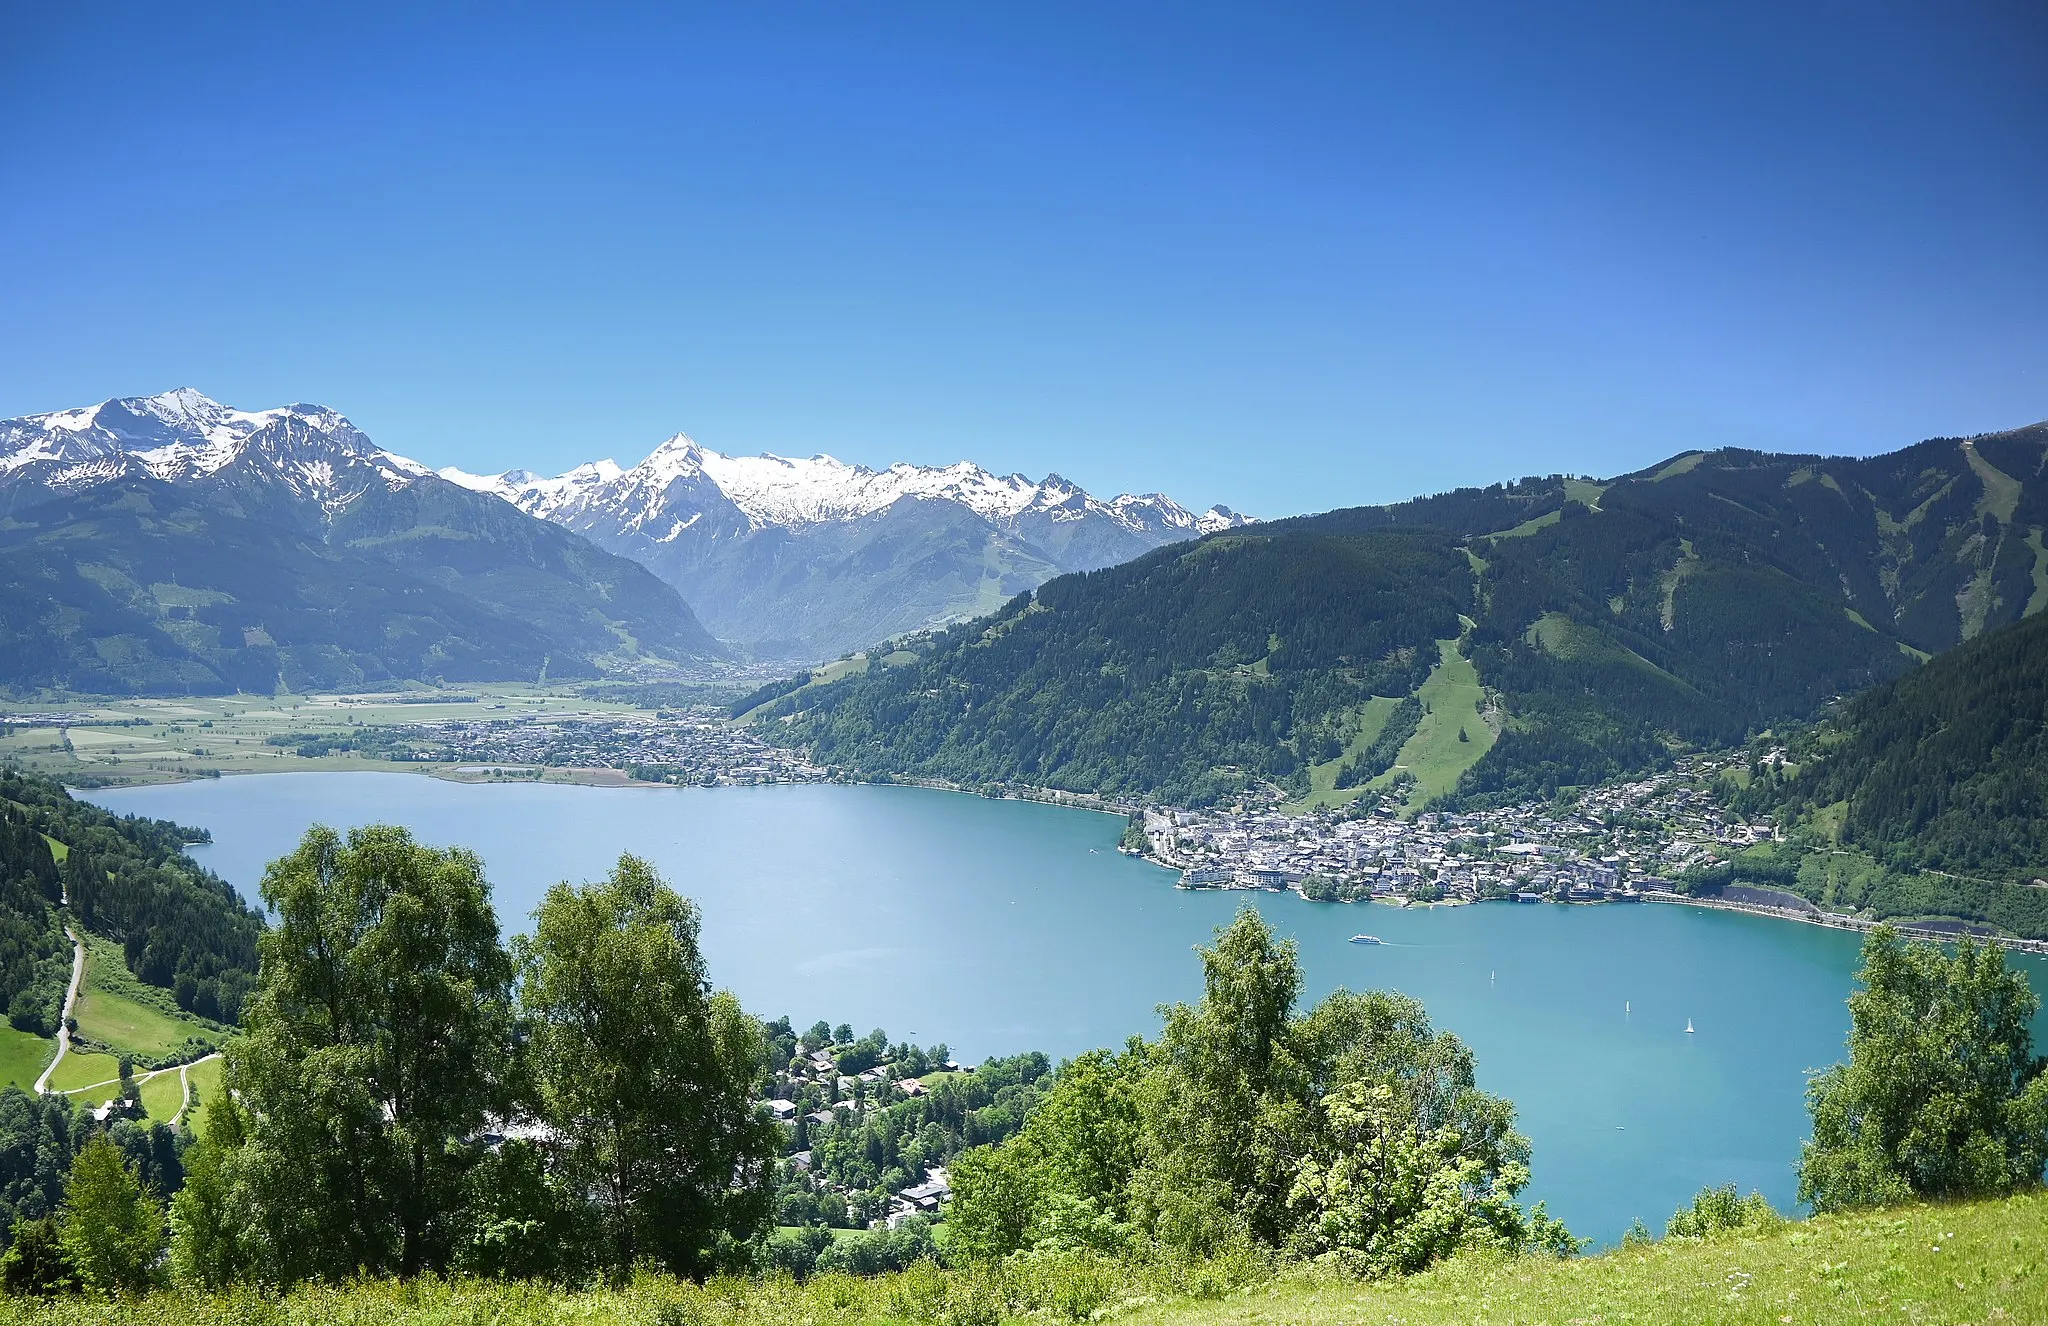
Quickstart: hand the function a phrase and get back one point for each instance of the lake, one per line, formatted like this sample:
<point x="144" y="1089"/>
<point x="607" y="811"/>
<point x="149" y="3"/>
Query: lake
<point x="1002" y="926"/>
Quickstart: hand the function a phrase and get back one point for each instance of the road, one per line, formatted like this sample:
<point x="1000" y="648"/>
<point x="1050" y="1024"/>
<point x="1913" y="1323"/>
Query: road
<point x="70" y="1002"/>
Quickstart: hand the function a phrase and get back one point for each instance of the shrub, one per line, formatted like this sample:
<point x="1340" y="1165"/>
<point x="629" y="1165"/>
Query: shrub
<point x="1721" y="1211"/>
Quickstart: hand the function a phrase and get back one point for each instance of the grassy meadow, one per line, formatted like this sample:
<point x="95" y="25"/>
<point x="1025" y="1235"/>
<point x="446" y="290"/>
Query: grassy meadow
<point x="161" y="1096"/>
<point x="79" y="1072"/>
<point x="1452" y="697"/>
<point x="1322" y="778"/>
<point x="1454" y="702"/>
<point x="1970" y="1263"/>
<point x="205" y="1078"/>
<point x="117" y="1010"/>
<point x="23" y="1056"/>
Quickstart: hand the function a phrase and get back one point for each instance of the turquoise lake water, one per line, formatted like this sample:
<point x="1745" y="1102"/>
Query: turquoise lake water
<point x="1001" y="926"/>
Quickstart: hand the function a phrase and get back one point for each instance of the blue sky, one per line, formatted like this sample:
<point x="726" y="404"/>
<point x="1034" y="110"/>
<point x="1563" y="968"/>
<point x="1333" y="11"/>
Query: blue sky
<point x="1281" y="256"/>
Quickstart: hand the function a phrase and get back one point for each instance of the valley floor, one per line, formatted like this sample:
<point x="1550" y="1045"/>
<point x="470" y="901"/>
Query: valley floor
<point x="1974" y="1263"/>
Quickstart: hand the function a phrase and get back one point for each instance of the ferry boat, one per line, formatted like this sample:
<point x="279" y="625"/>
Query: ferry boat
<point x="1367" y="939"/>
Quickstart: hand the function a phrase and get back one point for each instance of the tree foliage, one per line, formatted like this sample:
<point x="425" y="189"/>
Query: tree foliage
<point x="646" y="1072"/>
<point x="1352" y="1130"/>
<point x="36" y="1263"/>
<point x="376" y="1047"/>
<point x="1942" y="1096"/>
<point x="112" y="1230"/>
<point x="1721" y="1210"/>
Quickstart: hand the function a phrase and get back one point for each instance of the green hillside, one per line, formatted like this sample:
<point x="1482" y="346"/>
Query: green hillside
<point x="1945" y="768"/>
<point x="1924" y="797"/>
<point x="139" y="587"/>
<point x="185" y="935"/>
<point x="1698" y="602"/>
<point x="1183" y="673"/>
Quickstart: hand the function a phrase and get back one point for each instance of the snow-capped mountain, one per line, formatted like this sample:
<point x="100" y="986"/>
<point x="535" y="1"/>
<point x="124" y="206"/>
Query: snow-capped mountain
<point x="776" y="490"/>
<point x="813" y="557"/>
<point x="172" y="544"/>
<point x="803" y="559"/>
<point x="184" y="436"/>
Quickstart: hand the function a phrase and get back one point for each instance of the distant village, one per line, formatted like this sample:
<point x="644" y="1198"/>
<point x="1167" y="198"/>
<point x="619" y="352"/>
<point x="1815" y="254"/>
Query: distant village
<point x="672" y="746"/>
<point x="1612" y="843"/>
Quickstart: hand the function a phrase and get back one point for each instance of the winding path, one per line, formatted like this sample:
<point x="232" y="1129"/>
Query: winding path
<point x="70" y="1002"/>
<point x="185" y="1086"/>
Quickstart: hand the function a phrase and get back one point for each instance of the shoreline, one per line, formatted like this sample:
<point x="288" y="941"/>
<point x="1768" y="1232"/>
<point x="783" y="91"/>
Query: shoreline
<point x="1840" y="921"/>
<point x="604" y="777"/>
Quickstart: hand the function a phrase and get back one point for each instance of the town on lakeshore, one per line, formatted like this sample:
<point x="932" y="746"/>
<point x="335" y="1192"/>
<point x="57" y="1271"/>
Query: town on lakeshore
<point x="1613" y="843"/>
<point x="1620" y="842"/>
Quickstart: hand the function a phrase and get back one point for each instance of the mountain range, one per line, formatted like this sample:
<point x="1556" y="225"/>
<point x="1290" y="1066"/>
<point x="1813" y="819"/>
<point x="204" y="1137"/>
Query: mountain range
<point x="813" y="558"/>
<point x="1583" y="628"/>
<point x="169" y="544"/>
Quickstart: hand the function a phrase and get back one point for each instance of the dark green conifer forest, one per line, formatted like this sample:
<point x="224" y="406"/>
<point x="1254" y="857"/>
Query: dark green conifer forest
<point x="128" y="879"/>
<point x="1697" y="603"/>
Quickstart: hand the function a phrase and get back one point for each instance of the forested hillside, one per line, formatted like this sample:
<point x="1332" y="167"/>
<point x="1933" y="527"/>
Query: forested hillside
<point x="35" y="958"/>
<point x="1944" y="769"/>
<point x="1697" y="602"/>
<point x="128" y="879"/>
<point x="140" y="587"/>
<point x="1168" y="674"/>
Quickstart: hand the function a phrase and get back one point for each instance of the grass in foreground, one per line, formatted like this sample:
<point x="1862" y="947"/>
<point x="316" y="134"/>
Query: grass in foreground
<point x="1978" y="1263"/>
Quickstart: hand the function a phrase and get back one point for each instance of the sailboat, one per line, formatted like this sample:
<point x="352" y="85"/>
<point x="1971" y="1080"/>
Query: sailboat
<point x="1688" y="1026"/>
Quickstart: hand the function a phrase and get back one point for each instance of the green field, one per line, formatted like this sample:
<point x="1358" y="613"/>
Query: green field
<point x="146" y="740"/>
<point x="1322" y="778"/>
<point x="160" y="1095"/>
<point x="1978" y="1263"/>
<point x="23" y="1056"/>
<point x="83" y="1070"/>
<point x="1452" y="696"/>
<point x="838" y="670"/>
<point x="111" y="1017"/>
<point x="1985" y="1262"/>
<point x="205" y="1079"/>
<point x="1531" y="525"/>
